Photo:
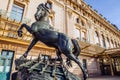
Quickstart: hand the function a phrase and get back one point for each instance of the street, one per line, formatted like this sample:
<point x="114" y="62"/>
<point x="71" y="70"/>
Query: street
<point x="105" y="78"/>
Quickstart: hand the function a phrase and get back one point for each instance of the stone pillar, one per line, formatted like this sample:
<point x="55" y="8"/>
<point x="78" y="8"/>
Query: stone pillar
<point x="9" y="7"/>
<point x="110" y="62"/>
<point x="112" y="73"/>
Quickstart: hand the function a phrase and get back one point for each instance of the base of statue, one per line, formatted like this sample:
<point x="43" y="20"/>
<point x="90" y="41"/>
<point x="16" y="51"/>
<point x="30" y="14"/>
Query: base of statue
<point x="42" y="69"/>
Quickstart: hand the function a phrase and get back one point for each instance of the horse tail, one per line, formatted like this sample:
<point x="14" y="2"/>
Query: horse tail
<point x="76" y="49"/>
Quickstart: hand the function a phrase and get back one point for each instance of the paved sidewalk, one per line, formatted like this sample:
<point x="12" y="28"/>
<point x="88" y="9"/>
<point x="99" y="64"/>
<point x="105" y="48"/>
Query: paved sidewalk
<point x="105" y="78"/>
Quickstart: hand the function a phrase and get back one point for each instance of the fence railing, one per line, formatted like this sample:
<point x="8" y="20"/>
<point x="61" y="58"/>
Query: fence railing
<point x="5" y="14"/>
<point x="9" y="27"/>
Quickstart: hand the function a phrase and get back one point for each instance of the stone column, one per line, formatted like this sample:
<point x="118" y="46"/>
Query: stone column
<point x="112" y="73"/>
<point x="110" y="62"/>
<point x="9" y="7"/>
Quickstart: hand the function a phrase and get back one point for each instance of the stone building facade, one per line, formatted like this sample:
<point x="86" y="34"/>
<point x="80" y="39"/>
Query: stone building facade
<point x="98" y="38"/>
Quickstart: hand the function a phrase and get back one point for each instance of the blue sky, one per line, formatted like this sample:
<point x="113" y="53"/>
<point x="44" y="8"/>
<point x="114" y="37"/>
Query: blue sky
<point x="110" y="9"/>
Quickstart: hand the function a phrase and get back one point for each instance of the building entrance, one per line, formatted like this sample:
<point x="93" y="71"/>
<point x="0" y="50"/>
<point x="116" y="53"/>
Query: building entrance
<point x="116" y="65"/>
<point x="104" y="66"/>
<point x="106" y="70"/>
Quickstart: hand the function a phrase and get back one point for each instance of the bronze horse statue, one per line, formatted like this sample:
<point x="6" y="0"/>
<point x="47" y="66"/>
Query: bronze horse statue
<point x="42" y="31"/>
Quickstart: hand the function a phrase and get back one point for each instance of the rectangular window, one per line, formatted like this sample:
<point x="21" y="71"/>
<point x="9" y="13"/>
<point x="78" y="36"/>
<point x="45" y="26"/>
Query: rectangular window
<point x="84" y="63"/>
<point x="17" y="12"/>
<point x="77" y="33"/>
<point x="77" y="20"/>
<point x="6" y="59"/>
<point x="49" y="4"/>
<point x="83" y="36"/>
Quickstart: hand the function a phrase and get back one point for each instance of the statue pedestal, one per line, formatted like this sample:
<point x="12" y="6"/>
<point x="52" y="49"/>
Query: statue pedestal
<point x="41" y="69"/>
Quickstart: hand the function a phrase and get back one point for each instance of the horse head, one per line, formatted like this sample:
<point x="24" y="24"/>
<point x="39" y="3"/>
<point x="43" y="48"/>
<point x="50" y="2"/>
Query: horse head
<point x="42" y="11"/>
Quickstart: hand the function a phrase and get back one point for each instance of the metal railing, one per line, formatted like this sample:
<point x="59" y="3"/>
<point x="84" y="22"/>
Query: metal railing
<point x="5" y="14"/>
<point x="9" y="27"/>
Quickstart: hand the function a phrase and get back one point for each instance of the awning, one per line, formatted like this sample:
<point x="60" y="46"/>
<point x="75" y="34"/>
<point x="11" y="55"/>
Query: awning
<point x="113" y="52"/>
<point x="91" y="49"/>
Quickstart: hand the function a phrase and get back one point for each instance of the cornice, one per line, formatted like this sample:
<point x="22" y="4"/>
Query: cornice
<point x="103" y="20"/>
<point x="94" y="14"/>
<point x="25" y="1"/>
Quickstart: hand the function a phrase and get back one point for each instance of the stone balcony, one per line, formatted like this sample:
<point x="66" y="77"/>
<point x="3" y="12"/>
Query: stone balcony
<point x="89" y="49"/>
<point x="8" y="32"/>
<point x="9" y="27"/>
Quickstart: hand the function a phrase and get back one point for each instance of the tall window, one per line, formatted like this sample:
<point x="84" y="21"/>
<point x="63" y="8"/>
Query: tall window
<point x="107" y="43"/>
<point x="77" y="20"/>
<point x="77" y="33"/>
<point x="17" y="12"/>
<point x="84" y="61"/>
<point x="115" y="44"/>
<point x="103" y="41"/>
<point x="83" y="36"/>
<point x="96" y="38"/>
<point x="112" y="44"/>
<point x="118" y="45"/>
<point x="49" y="4"/>
<point x="82" y="23"/>
<point x="51" y="20"/>
<point x="6" y="59"/>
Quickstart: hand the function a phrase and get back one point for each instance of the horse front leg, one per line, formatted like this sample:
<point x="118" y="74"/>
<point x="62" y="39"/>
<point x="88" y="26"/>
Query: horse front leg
<point x="59" y="56"/>
<point x="34" y="41"/>
<point x="21" y="27"/>
<point x="85" y="74"/>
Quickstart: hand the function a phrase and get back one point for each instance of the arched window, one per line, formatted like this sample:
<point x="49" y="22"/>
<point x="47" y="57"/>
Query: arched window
<point x="118" y="45"/>
<point x="115" y="44"/>
<point x="107" y="43"/>
<point x="83" y="35"/>
<point x="51" y="21"/>
<point x="82" y="23"/>
<point x="96" y="37"/>
<point x="77" y="33"/>
<point x="112" y="44"/>
<point x="103" y="41"/>
<point x="49" y="4"/>
<point x="77" y="20"/>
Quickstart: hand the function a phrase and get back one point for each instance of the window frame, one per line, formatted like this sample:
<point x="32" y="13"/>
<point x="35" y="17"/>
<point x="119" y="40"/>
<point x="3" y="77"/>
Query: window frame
<point x="103" y="41"/>
<point x="19" y="12"/>
<point x="84" y="61"/>
<point x="96" y="36"/>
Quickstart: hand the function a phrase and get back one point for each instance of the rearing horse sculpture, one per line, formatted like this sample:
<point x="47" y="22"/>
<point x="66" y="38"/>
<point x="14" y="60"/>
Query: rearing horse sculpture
<point x="42" y="31"/>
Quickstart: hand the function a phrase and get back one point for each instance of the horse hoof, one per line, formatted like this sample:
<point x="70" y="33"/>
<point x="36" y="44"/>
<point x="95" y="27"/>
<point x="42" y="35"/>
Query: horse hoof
<point x="25" y="55"/>
<point x="22" y="58"/>
<point x="20" y="33"/>
<point x="85" y="77"/>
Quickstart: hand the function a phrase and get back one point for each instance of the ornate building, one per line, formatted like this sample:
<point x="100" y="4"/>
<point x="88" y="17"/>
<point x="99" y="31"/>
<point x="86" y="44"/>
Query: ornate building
<point x="98" y="38"/>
